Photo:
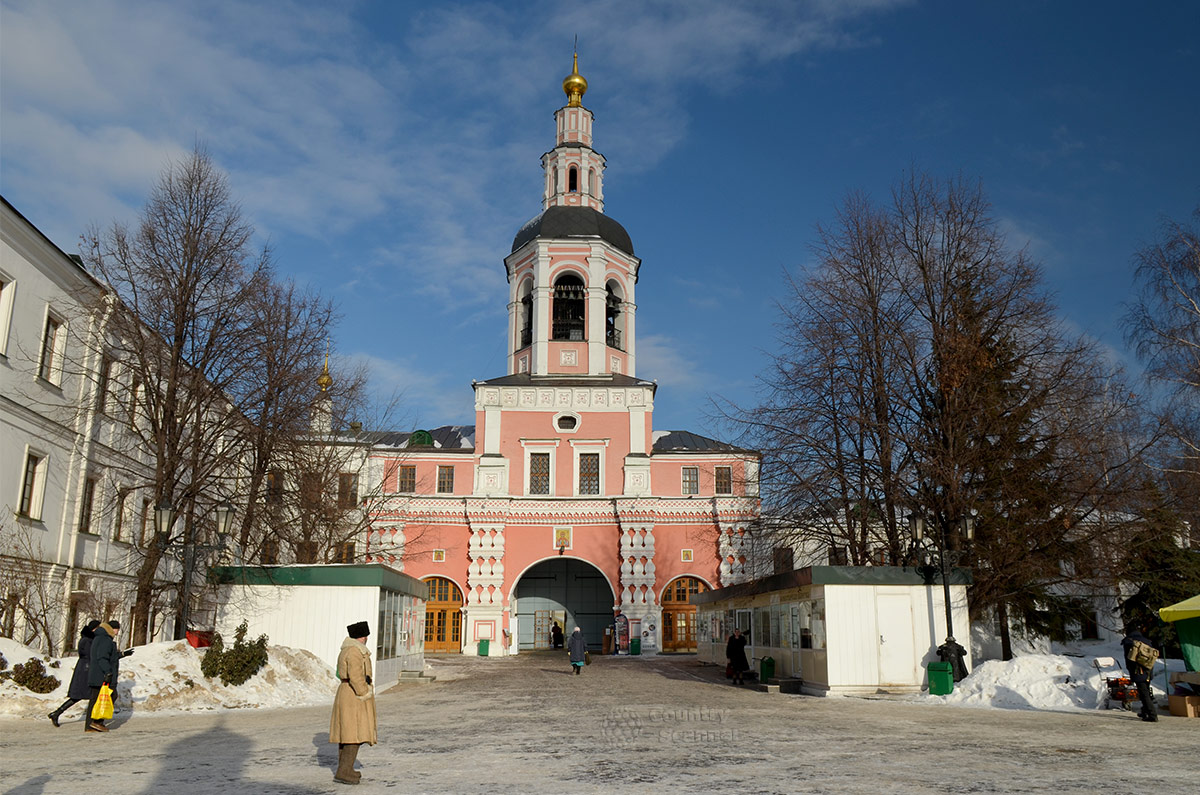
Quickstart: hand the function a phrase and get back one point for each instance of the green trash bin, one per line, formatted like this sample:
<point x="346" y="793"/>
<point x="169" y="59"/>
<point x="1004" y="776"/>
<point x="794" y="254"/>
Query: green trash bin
<point x="635" y="645"/>
<point x="941" y="678"/>
<point x="483" y="647"/>
<point x="766" y="669"/>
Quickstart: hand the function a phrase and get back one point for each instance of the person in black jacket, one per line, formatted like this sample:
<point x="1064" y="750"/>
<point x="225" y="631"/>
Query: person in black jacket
<point x="1140" y="674"/>
<point x="78" y="691"/>
<point x="103" y="669"/>
<point x="735" y="653"/>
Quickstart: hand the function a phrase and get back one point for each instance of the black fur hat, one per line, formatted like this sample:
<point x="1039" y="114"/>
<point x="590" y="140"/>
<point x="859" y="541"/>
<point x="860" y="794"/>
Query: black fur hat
<point x="359" y="630"/>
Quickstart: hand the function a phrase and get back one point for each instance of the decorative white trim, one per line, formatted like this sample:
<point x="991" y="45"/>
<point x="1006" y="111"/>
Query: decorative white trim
<point x="568" y="357"/>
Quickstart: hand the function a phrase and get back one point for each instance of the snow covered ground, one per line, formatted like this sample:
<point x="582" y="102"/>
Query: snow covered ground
<point x="1064" y="680"/>
<point x="165" y="677"/>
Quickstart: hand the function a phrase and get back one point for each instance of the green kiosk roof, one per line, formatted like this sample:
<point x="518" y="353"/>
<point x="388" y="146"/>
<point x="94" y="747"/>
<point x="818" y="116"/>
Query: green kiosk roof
<point x="345" y="574"/>
<point x="829" y="575"/>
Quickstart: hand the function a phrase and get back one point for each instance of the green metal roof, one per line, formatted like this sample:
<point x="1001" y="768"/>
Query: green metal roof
<point x="828" y="575"/>
<point x="353" y="574"/>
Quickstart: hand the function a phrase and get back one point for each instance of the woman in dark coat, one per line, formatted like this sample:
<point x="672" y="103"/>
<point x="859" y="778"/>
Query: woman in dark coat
<point x="78" y="691"/>
<point x="735" y="652"/>
<point x="103" y="670"/>
<point x="577" y="650"/>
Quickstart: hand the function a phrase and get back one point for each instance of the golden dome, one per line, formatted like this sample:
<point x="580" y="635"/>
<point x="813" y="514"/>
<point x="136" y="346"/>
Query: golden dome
<point x="325" y="380"/>
<point x="574" y="85"/>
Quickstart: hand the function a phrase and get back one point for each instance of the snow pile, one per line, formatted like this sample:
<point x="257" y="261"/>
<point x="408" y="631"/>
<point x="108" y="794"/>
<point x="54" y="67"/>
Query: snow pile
<point x="1066" y="681"/>
<point x="165" y="677"/>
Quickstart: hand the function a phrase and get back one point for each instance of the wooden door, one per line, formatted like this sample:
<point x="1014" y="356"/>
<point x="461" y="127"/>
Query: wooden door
<point x="541" y="629"/>
<point x="679" y="616"/>
<point x="443" y="617"/>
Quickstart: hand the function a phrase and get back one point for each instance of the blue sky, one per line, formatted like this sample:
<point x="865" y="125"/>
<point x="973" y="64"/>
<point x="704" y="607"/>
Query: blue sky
<point x="389" y="151"/>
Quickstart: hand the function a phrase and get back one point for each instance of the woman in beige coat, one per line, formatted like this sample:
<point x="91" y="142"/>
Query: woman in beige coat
<point x="353" y="720"/>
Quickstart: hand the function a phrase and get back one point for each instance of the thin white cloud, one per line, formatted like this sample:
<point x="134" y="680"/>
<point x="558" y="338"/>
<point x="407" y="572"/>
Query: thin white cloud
<point x="424" y="398"/>
<point x="324" y="125"/>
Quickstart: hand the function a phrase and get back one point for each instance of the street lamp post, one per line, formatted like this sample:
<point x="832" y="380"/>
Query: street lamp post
<point x="950" y="651"/>
<point x="223" y="516"/>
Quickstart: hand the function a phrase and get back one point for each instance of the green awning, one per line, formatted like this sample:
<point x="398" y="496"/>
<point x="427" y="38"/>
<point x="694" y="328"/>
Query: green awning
<point x="1188" y="608"/>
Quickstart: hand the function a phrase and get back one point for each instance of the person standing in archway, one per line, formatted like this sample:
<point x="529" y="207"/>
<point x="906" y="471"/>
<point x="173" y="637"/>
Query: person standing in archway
<point x="556" y="636"/>
<point x="353" y="720"/>
<point x="577" y="650"/>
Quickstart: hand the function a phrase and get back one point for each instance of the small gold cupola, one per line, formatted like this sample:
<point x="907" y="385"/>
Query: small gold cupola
<point x="574" y="85"/>
<point x="325" y="380"/>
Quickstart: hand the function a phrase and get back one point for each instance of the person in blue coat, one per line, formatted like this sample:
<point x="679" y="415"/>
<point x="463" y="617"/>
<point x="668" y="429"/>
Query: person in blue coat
<point x="103" y="669"/>
<point x="78" y="691"/>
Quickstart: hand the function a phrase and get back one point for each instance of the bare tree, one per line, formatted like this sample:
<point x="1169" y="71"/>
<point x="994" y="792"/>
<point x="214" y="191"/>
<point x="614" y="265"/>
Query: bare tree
<point x="31" y="603"/>
<point x="1164" y="325"/>
<point x="832" y="461"/>
<point x="923" y="369"/>
<point x="185" y="283"/>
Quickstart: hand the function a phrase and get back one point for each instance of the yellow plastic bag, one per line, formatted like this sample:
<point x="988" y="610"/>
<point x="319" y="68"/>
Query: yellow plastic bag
<point x="104" y="706"/>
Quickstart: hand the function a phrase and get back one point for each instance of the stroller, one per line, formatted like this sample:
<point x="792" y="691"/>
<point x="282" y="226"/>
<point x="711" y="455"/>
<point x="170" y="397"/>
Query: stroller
<point x="1118" y="689"/>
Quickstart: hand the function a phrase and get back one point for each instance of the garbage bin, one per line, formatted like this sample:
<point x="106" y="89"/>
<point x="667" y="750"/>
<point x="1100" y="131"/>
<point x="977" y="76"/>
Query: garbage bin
<point x="635" y="645"/>
<point x="941" y="678"/>
<point x="483" y="647"/>
<point x="766" y="669"/>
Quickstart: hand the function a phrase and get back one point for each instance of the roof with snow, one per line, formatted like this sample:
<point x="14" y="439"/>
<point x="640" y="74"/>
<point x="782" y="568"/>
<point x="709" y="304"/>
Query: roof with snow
<point x="447" y="437"/>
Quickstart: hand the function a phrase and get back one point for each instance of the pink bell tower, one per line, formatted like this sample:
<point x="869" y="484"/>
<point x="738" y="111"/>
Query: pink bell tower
<point x="572" y="270"/>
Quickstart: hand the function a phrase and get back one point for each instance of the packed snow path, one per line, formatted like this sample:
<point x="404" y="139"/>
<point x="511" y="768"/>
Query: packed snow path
<point x="524" y="724"/>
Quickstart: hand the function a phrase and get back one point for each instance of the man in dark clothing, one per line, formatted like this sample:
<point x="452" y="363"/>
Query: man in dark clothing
<point x="1140" y="674"/>
<point x="556" y="636"/>
<point x="735" y="653"/>
<point x="103" y="669"/>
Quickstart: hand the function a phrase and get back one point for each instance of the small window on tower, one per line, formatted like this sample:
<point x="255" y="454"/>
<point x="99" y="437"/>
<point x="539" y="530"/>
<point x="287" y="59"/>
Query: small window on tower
<point x="573" y="180"/>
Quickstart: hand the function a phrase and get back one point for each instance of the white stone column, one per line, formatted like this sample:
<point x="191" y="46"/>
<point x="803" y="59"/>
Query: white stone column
<point x="637" y="576"/>
<point x="485" y="594"/>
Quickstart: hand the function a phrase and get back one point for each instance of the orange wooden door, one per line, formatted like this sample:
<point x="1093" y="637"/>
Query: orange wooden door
<point x="443" y="617"/>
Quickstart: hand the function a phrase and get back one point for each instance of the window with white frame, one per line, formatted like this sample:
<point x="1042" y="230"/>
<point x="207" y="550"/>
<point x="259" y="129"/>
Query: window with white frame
<point x="445" y="480"/>
<point x="8" y="289"/>
<point x="589" y="473"/>
<point x="87" y="502"/>
<point x="104" y="383"/>
<point x="143" y="522"/>
<point x="119" y="522"/>
<point x="724" y="476"/>
<point x="54" y="339"/>
<point x="539" y="473"/>
<point x="691" y="480"/>
<point x="33" y="486"/>
<point x="407" y="482"/>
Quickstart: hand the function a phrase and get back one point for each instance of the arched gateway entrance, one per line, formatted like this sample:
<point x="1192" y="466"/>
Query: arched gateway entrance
<point x="571" y="591"/>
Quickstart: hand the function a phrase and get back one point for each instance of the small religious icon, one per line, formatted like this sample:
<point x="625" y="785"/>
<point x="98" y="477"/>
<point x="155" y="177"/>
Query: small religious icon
<point x="562" y="537"/>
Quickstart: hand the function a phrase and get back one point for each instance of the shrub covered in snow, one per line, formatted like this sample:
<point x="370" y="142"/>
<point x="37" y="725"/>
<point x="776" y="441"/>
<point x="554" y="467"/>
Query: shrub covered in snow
<point x="32" y="675"/>
<point x="237" y="664"/>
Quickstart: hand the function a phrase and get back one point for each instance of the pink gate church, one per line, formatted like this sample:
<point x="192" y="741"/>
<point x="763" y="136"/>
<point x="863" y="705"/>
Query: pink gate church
<point x="562" y="504"/>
